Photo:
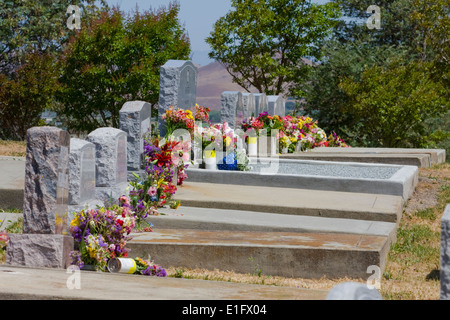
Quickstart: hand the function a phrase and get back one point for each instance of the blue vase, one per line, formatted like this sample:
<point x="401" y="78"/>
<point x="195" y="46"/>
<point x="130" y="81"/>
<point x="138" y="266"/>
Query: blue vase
<point x="229" y="162"/>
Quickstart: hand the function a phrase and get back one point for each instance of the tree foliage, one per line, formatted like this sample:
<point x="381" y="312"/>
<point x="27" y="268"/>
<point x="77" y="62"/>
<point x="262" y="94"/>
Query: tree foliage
<point x="393" y="103"/>
<point x="32" y="34"/>
<point x="262" y="43"/>
<point x="362" y="91"/>
<point x="23" y="99"/>
<point x="114" y="59"/>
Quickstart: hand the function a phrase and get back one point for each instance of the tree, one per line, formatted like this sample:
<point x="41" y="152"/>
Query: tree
<point x="32" y="35"/>
<point x="393" y="103"/>
<point x="23" y="99"/>
<point x="35" y="26"/>
<point x="115" y="59"/>
<point x="411" y="32"/>
<point x="262" y="43"/>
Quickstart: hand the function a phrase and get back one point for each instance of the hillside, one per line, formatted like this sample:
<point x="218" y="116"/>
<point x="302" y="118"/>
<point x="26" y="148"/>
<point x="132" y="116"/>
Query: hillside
<point x="212" y="80"/>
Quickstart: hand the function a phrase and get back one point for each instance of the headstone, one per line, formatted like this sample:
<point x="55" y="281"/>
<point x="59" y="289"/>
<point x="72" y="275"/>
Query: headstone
<point x="261" y="104"/>
<point x="135" y="120"/>
<point x="248" y="101"/>
<point x="445" y="254"/>
<point x="276" y="105"/>
<point x="232" y="108"/>
<point x="178" y="87"/>
<point x="82" y="177"/>
<point x="111" y="163"/>
<point x="353" y="291"/>
<point x="44" y="241"/>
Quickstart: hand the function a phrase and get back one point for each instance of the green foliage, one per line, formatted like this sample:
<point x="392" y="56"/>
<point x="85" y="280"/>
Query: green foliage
<point x="359" y="88"/>
<point x="24" y="98"/>
<point x="32" y="35"/>
<point x="115" y="59"/>
<point x="392" y="103"/>
<point x="262" y="43"/>
<point x="35" y="26"/>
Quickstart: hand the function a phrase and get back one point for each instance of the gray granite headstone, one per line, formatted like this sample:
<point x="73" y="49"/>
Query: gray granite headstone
<point x="248" y="101"/>
<point x="261" y="104"/>
<point x="46" y="180"/>
<point x="82" y="177"/>
<point x="135" y="120"/>
<point x="276" y="105"/>
<point x="178" y="87"/>
<point x="445" y="254"/>
<point x="111" y="163"/>
<point x="232" y="110"/>
<point x="44" y="241"/>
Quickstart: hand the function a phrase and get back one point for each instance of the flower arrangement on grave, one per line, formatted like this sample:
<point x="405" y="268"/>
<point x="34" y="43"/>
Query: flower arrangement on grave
<point x="270" y="122"/>
<point x="178" y="119"/>
<point x="3" y="236"/>
<point x="202" y="114"/>
<point x="149" y="268"/>
<point x="336" y="141"/>
<point x="159" y="186"/>
<point x="100" y="235"/>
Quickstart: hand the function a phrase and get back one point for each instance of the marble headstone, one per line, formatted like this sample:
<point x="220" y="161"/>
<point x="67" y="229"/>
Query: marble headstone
<point x="178" y="87"/>
<point x="261" y="104"/>
<point x="82" y="177"/>
<point x="445" y="254"/>
<point x="248" y="101"/>
<point x="232" y="110"/>
<point x="44" y="241"/>
<point x="135" y="120"/>
<point x="111" y="163"/>
<point x="276" y="105"/>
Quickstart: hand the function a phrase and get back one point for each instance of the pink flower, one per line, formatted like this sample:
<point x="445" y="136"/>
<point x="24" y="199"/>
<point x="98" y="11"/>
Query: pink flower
<point x="152" y="191"/>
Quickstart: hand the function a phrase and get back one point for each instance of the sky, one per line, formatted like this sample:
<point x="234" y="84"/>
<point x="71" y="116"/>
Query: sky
<point x="197" y="16"/>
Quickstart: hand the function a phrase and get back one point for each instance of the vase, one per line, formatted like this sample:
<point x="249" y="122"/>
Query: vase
<point x="229" y="162"/>
<point x="210" y="160"/>
<point x="267" y="146"/>
<point x="252" y="146"/>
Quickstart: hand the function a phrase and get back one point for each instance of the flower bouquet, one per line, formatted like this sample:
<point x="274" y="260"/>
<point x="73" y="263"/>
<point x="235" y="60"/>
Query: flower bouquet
<point x="159" y="186"/>
<point x="100" y="235"/>
<point x="178" y="119"/>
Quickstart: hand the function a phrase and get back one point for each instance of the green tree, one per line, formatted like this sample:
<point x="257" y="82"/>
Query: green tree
<point x="36" y="26"/>
<point x="23" y="99"/>
<point x="114" y="59"/>
<point x="262" y="43"/>
<point x="392" y="104"/>
<point x="32" y="34"/>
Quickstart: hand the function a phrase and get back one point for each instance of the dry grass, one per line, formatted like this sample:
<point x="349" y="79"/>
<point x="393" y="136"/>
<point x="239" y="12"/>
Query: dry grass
<point x="13" y="148"/>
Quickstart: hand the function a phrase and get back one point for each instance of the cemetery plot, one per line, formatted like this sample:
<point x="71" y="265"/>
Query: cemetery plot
<point x="317" y="175"/>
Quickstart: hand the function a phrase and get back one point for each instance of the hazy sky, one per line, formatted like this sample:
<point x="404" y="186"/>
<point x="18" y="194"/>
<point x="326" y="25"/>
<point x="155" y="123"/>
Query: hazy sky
<point x="198" y="17"/>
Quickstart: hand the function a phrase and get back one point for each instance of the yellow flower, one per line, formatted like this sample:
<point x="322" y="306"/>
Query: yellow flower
<point x="227" y="141"/>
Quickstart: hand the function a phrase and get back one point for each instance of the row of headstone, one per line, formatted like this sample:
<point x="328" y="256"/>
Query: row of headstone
<point x="237" y="106"/>
<point x="63" y="175"/>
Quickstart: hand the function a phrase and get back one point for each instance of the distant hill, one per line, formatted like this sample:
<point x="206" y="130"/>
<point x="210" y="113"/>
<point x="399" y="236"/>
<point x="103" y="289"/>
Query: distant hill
<point x="212" y="80"/>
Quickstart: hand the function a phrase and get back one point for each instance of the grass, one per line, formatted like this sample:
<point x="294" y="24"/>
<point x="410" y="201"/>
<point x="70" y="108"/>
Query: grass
<point x="13" y="148"/>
